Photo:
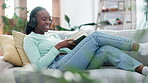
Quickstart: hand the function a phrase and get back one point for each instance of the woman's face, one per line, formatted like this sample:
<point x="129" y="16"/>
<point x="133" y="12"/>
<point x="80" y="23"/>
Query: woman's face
<point x="43" y="22"/>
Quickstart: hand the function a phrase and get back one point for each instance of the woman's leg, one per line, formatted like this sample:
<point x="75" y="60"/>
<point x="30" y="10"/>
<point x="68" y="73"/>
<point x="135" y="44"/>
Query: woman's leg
<point x="82" y="54"/>
<point x="115" y="56"/>
<point x="115" y="41"/>
<point x="121" y="43"/>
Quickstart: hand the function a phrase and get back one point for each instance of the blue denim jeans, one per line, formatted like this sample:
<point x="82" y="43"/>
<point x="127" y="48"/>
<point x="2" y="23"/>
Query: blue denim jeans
<point x="96" y="49"/>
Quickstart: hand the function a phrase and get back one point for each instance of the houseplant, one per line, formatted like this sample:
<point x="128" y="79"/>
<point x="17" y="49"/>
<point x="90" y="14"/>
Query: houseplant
<point x="14" y="23"/>
<point x="67" y="19"/>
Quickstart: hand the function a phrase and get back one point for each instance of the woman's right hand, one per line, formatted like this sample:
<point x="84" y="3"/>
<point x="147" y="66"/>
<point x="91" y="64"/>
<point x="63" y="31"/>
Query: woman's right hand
<point x="65" y="44"/>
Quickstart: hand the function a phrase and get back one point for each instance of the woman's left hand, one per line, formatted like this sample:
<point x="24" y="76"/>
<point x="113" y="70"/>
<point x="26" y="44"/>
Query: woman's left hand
<point x="71" y="45"/>
<point x="66" y="44"/>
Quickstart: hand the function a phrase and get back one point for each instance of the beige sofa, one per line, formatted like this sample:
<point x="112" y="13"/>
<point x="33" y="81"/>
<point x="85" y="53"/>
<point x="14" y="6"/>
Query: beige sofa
<point x="11" y="73"/>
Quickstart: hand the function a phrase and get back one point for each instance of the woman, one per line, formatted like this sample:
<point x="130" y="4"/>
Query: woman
<point x="49" y="51"/>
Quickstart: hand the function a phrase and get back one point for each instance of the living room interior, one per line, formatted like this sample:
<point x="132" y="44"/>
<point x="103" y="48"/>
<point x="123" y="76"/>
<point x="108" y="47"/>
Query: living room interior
<point x="135" y="12"/>
<point x="127" y="18"/>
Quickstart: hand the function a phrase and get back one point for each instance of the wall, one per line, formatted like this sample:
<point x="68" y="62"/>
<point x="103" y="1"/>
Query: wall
<point x="31" y="4"/>
<point x="84" y="11"/>
<point x="1" y="14"/>
<point x="56" y="11"/>
<point x="79" y="11"/>
<point x="21" y="13"/>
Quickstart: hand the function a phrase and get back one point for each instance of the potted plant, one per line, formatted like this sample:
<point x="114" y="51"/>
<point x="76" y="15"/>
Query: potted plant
<point x="67" y="19"/>
<point x="16" y="23"/>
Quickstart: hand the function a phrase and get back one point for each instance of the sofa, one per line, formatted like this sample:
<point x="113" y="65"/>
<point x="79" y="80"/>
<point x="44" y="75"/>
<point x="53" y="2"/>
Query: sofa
<point x="18" y="70"/>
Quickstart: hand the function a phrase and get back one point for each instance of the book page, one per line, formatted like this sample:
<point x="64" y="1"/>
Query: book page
<point x="78" y="34"/>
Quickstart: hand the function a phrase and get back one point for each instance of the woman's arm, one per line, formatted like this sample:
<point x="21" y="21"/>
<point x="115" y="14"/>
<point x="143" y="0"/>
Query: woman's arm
<point x="34" y="56"/>
<point x="65" y="44"/>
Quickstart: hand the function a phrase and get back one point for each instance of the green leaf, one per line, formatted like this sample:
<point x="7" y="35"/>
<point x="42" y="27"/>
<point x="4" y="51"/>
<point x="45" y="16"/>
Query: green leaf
<point x="61" y="28"/>
<point x="21" y="8"/>
<point x="5" y="30"/>
<point x="88" y="24"/>
<point x="91" y="24"/>
<point x="67" y="20"/>
<point x="4" y="6"/>
<point x="146" y="1"/>
<point x="74" y="28"/>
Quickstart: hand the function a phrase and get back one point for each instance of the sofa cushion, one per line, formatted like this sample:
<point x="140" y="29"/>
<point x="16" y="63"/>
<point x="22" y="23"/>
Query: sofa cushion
<point x="1" y="54"/>
<point x="115" y="76"/>
<point x="4" y="65"/>
<point x="9" y="51"/>
<point x="91" y="76"/>
<point x="140" y="36"/>
<point x="19" y="38"/>
<point x="68" y="34"/>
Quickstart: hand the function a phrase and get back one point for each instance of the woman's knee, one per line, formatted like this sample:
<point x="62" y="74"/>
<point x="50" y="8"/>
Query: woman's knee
<point x="110" y="50"/>
<point x="96" y="33"/>
<point x="106" y="48"/>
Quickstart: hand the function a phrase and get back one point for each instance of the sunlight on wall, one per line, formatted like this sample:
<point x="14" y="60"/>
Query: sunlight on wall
<point x="78" y="13"/>
<point x="30" y="5"/>
<point x="10" y="8"/>
<point x="44" y="3"/>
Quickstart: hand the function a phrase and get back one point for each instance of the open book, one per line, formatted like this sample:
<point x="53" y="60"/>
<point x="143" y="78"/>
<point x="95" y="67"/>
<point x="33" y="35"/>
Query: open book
<point x="78" y="36"/>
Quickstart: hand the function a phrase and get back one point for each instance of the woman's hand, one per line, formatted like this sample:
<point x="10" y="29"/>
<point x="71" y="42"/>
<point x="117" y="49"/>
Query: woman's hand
<point x="66" y="44"/>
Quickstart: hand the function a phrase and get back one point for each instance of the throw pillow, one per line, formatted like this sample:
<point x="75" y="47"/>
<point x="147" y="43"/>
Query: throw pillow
<point x="19" y="39"/>
<point x="9" y="51"/>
